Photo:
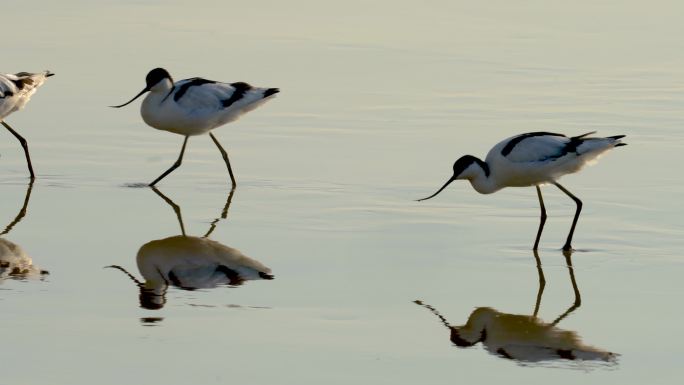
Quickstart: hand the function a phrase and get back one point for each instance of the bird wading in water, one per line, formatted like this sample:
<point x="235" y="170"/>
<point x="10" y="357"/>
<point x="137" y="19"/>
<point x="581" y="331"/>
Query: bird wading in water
<point x="15" y="91"/>
<point x="533" y="159"/>
<point x="196" y="106"/>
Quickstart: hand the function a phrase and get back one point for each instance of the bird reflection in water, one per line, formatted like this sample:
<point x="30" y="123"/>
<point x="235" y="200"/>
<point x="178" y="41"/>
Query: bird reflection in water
<point x="14" y="262"/>
<point x="526" y="338"/>
<point x="190" y="263"/>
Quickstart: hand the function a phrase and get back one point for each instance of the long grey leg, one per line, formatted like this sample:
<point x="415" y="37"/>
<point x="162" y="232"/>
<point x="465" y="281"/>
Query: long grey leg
<point x="24" y="144"/>
<point x="174" y="166"/>
<point x="225" y="158"/>
<point x="542" y="219"/>
<point x="578" y="202"/>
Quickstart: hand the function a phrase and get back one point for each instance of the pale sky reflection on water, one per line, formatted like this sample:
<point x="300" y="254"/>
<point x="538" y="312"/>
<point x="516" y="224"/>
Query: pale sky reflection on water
<point x="378" y="99"/>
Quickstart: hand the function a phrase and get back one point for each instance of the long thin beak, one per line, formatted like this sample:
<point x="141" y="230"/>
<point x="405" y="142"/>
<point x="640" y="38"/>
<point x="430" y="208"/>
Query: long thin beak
<point x="131" y="276"/>
<point x="438" y="191"/>
<point x="130" y="101"/>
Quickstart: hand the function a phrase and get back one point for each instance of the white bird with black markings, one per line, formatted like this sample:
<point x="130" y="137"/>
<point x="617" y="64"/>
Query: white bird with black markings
<point x="15" y="91"/>
<point x="533" y="159"/>
<point x="196" y="106"/>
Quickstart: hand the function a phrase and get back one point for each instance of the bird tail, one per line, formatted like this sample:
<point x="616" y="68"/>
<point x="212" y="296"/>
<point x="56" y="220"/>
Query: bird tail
<point x="271" y="91"/>
<point x="617" y="138"/>
<point x="614" y="138"/>
<point x="590" y="149"/>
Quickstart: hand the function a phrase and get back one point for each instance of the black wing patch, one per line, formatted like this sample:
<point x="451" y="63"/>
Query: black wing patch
<point x="21" y="82"/>
<point x="241" y="89"/>
<point x="233" y="276"/>
<point x="193" y="82"/>
<point x="572" y="145"/>
<point x="514" y="142"/>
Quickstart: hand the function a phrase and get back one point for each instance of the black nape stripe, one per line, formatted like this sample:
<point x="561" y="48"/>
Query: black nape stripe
<point x="241" y="89"/>
<point x="514" y="142"/>
<point x="193" y="82"/>
<point x="483" y="335"/>
<point x="465" y="161"/>
<point x="485" y="166"/>
<point x="174" y="279"/>
<point x="271" y="91"/>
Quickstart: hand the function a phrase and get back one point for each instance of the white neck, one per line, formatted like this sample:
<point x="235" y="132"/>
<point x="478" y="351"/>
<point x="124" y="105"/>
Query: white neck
<point x="164" y="86"/>
<point x="481" y="182"/>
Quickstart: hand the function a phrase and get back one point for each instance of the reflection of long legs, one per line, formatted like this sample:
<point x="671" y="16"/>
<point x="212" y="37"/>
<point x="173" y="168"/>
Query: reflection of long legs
<point x="24" y="145"/>
<point x="224" y="213"/>
<point x="578" y="202"/>
<point x="578" y="298"/>
<point x="542" y="282"/>
<point x="22" y="212"/>
<point x="542" y="219"/>
<point x="174" y="166"/>
<point x="224" y="154"/>
<point x="175" y="207"/>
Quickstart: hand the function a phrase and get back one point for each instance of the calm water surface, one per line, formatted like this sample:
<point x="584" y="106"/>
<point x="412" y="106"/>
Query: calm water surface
<point x="378" y="99"/>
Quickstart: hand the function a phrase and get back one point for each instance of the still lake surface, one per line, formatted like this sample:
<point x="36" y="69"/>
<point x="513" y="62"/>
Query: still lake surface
<point x="378" y="99"/>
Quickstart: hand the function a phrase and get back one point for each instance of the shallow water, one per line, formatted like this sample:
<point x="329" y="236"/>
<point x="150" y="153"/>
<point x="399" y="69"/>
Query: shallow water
<point x="377" y="102"/>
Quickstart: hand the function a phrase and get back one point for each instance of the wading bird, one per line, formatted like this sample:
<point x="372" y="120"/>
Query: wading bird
<point x="15" y="91"/>
<point x="196" y="106"/>
<point x="532" y="159"/>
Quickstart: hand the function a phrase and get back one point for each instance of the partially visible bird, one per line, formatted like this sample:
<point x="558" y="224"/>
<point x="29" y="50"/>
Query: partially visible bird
<point x="196" y="106"/>
<point x="15" y="92"/>
<point x="16" y="264"/>
<point x="533" y="159"/>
